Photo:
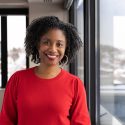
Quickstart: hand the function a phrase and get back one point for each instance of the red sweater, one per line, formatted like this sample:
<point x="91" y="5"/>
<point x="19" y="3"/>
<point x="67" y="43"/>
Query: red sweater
<point x="30" y="100"/>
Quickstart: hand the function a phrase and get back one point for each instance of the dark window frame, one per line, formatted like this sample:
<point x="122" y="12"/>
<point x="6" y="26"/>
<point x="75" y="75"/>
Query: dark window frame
<point x="73" y="19"/>
<point x="4" y="12"/>
<point x="91" y="55"/>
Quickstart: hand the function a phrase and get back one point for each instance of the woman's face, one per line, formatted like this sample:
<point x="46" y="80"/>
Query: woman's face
<point x="52" y="47"/>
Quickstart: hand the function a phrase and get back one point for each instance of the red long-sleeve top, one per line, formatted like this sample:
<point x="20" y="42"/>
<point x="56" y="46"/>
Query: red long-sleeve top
<point x="30" y="100"/>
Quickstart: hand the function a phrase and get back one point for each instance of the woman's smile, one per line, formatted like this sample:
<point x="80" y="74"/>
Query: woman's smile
<point x="51" y="56"/>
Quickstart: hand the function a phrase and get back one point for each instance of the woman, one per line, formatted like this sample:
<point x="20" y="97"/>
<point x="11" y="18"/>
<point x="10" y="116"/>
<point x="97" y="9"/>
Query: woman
<point x="47" y="94"/>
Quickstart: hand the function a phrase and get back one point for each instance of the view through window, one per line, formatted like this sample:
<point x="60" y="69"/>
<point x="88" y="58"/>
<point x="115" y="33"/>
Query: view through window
<point x="112" y="62"/>
<point x="16" y="30"/>
<point x="80" y="30"/>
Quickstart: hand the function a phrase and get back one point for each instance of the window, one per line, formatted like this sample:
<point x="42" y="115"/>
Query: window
<point x="112" y="62"/>
<point x="76" y="18"/>
<point x="80" y="30"/>
<point x="12" y="32"/>
<point x="16" y="30"/>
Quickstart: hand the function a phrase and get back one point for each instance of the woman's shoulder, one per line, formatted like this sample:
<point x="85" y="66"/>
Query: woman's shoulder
<point x="23" y="72"/>
<point x="73" y="80"/>
<point x="70" y="75"/>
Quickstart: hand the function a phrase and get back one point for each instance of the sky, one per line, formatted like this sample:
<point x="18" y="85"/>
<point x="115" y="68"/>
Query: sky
<point x="112" y="23"/>
<point x="119" y="32"/>
<point x="16" y="30"/>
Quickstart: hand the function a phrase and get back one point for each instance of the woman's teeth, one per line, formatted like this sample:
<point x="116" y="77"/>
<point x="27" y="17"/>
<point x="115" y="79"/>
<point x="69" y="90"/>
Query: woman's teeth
<point x="51" y="56"/>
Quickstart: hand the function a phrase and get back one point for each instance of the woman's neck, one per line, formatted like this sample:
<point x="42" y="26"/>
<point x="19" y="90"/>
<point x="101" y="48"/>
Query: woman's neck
<point x="47" y="71"/>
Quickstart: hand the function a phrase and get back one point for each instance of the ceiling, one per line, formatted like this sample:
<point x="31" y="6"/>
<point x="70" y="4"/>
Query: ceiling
<point x="23" y="3"/>
<point x="46" y="1"/>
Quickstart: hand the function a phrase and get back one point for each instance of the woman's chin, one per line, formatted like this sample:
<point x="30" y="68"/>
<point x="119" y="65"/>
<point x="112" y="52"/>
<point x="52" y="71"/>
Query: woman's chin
<point x="52" y="63"/>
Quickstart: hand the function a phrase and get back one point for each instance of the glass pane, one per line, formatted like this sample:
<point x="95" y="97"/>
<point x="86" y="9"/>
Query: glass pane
<point x="0" y="52"/>
<point x="80" y="30"/>
<point x="112" y="62"/>
<point x="16" y="31"/>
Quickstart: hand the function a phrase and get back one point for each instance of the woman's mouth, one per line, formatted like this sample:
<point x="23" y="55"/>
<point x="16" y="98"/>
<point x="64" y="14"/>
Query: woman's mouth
<point x="52" y="57"/>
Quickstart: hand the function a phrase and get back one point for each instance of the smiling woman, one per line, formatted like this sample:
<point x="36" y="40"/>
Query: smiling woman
<point x="52" y="47"/>
<point x="47" y="94"/>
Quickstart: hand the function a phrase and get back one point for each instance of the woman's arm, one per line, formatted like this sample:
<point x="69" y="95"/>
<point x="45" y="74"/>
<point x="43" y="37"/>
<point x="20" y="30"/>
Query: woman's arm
<point x="79" y="111"/>
<point x="8" y="115"/>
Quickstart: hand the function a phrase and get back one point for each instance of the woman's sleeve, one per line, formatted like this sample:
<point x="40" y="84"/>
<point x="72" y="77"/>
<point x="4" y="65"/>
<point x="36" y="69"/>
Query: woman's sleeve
<point x="79" y="110"/>
<point x="8" y="115"/>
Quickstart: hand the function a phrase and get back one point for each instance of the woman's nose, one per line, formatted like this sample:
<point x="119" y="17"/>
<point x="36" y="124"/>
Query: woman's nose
<point x="52" y="48"/>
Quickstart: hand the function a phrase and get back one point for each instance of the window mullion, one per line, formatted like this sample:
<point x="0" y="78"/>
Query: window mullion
<point x="4" y="50"/>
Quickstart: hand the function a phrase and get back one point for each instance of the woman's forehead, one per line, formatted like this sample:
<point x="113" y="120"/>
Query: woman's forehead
<point x="55" y="32"/>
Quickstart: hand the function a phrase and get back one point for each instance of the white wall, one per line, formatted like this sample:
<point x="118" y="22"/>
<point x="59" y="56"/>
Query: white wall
<point x="35" y="10"/>
<point x="1" y="96"/>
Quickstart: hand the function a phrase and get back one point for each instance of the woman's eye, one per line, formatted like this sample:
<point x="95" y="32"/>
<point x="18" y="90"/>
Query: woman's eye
<point x="59" y="44"/>
<point x="46" y="42"/>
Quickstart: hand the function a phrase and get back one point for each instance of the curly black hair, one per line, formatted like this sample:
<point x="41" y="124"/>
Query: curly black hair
<point x="41" y="26"/>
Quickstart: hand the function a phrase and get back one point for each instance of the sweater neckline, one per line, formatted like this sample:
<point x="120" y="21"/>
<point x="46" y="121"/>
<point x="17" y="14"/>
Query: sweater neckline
<point x="50" y="79"/>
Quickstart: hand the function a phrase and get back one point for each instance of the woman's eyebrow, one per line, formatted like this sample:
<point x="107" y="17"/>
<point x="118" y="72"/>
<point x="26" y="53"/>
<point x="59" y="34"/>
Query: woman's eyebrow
<point x="45" y="38"/>
<point x="61" y="41"/>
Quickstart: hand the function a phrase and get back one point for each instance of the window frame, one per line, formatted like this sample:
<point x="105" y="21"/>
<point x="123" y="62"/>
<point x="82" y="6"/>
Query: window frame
<point x="4" y="13"/>
<point x="73" y="19"/>
<point x="92" y="58"/>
